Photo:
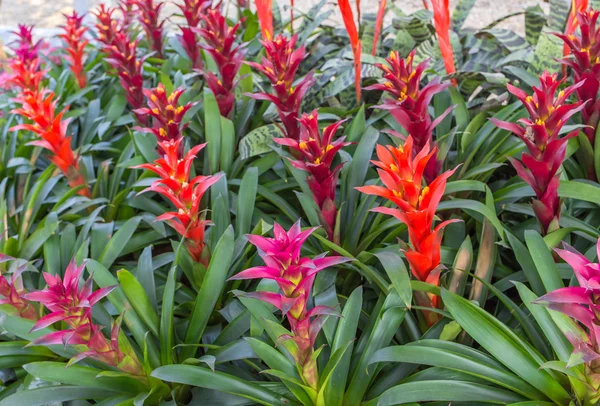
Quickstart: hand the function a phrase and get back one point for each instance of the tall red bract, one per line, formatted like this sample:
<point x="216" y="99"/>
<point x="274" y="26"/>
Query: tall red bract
<point x="72" y="304"/>
<point x="401" y="171"/>
<point x="221" y="43"/>
<point x="295" y="276"/>
<point x="584" y="61"/>
<point x="409" y="102"/>
<point x="149" y="18"/>
<point x="441" y="18"/>
<point x="73" y="37"/>
<point x="548" y="113"/>
<point x="280" y="66"/>
<point x="355" y="42"/>
<point x="316" y="152"/>
<point x="39" y="108"/>
<point x="192" y="10"/>
<point x="264" y="10"/>
<point x="185" y="194"/>
<point x="107" y="27"/>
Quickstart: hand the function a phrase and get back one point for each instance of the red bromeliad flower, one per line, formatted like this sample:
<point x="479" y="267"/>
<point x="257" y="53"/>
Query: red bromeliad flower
<point x="13" y="292"/>
<point x="221" y="44"/>
<point x="317" y="152"/>
<point x="409" y="104"/>
<point x="185" y="194"/>
<point x="192" y="10"/>
<point x="107" y="27"/>
<point x="441" y="16"/>
<point x="584" y="61"/>
<point x="166" y="113"/>
<point x="39" y="107"/>
<point x="264" y="10"/>
<point x="123" y="58"/>
<point x="540" y="133"/>
<point x="24" y="47"/>
<point x="355" y="42"/>
<point x="128" y="13"/>
<point x="401" y="170"/>
<point x="73" y="37"/>
<point x="72" y="304"/>
<point x="25" y="76"/>
<point x="280" y="67"/>
<point x="148" y="16"/>
<point x="295" y="276"/>
<point x="581" y="303"/>
<point x="378" y="25"/>
<point x="577" y="6"/>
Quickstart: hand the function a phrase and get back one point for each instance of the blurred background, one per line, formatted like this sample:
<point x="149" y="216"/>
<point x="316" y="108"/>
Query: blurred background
<point x="48" y="13"/>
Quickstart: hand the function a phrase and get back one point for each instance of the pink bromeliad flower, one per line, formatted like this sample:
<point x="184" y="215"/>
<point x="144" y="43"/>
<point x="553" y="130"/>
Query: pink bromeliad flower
<point x="12" y="292"/>
<point x="295" y="276"/>
<point x="185" y="194"/>
<point x="581" y="303"/>
<point x="548" y="113"/>
<point x="409" y="102"/>
<point x="280" y="66"/>
<point x="72" y="304"/>
<point x="316" y="152"/>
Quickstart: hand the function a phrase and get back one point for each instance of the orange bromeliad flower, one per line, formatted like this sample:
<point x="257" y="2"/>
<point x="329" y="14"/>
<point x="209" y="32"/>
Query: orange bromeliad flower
<point x="39" y="107"/>
<point x="441" y="17"/>
<point x="73" y="37"/>
<point x="264" y="10"/>
<point x="355" y="43"/>
<point x="401" y="171"/>
<point x="185" y="194"/>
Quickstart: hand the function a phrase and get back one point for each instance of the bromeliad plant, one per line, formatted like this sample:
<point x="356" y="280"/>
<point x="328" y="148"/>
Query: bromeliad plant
<point x="295" y="276"/>
<point x="317" y="151"/>
<point x="548" y="114"/>
<point x="401" y="170"/>
<point x="73" y="37"/>
<point x="409" y="103"/>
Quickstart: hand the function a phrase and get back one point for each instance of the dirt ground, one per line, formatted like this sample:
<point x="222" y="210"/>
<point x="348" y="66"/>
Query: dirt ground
<point x="48" y="13"/>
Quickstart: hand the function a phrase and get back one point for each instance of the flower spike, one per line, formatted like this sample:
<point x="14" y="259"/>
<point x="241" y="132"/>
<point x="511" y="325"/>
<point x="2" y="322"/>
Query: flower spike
<point x="355" y="42"/>
<point x="74" y="39"/>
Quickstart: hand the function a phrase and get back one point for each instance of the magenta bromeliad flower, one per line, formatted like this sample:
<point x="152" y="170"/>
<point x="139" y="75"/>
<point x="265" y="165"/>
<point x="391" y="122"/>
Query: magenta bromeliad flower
<point x="12" y="292"/>
<point x="280" y="67"/>
<point x="221" y="43"/>
<point x="584" y="61"/>
<point x="317" y="151"/>
<point x="409" y="103"/>
<point x="167" y="114"/>
<point x="295" y="276"/>
<point x="548" y="113"/>
<point x="581" y="303"/>
<point x="72" y="304"/>
<point x="149" y="18"/>
<point x="192" y="10"/>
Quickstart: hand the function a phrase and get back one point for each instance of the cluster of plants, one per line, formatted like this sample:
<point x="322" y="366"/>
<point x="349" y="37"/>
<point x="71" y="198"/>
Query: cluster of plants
<point x="229" y="207"/>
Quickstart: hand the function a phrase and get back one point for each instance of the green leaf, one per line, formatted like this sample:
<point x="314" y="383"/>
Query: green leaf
<point x="210" y="292"/>
<point x="212" y="124"/>
<point x="579" y="190"/>
<point x="39" y="237"/>
<point x="345" y="333"/>
<point x="84" y="376"/>
<point x="457" y="357"/>
<point x="139" y="300"/>
<point x="544" y="263"/>
<point x="53" y="395"/>
<point x="444" y="391"/>
<point x="205" y="378"/>
<point x="115" y="245"/>
<point x="259" y="140"/>
<point x="245" y="202"/>
<point x="460" y="13"/>
<point x="547" y="53"/>
<point x="227" y="144"/>
<point x="396" y="271"/>
<point x="504" y="345"/>
<point x="166" y="319"/>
